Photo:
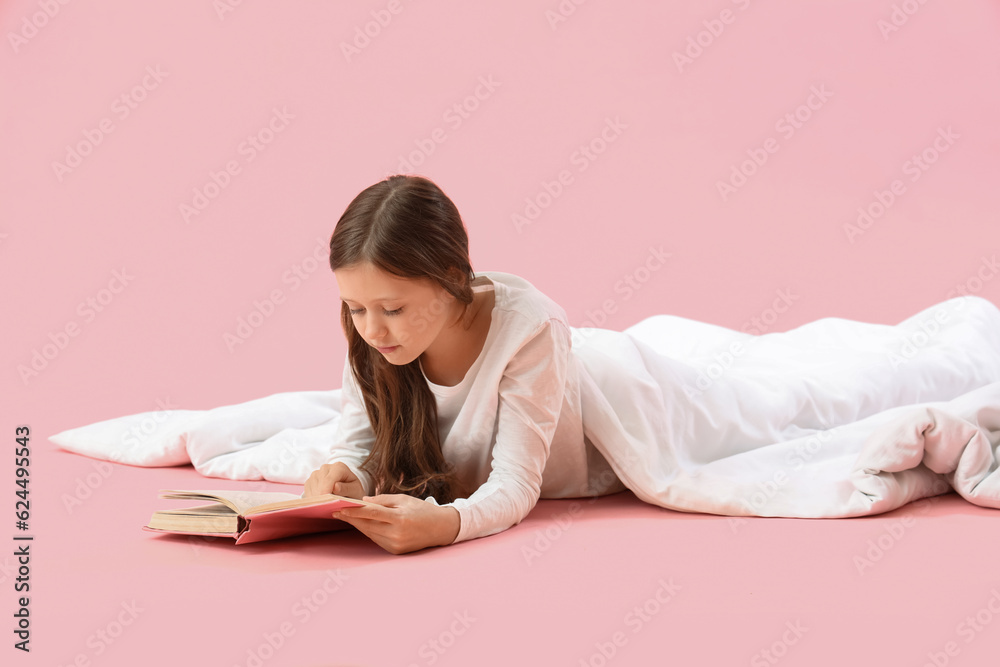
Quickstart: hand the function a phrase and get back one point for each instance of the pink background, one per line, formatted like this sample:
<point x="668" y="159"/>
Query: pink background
<point x="671" y="133"/>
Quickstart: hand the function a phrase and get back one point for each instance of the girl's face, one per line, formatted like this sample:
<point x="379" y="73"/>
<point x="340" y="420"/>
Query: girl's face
<point x="400" y="317"/>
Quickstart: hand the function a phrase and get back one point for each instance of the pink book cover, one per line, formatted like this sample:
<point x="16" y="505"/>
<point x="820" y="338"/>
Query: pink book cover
<point x="257" y="526"/>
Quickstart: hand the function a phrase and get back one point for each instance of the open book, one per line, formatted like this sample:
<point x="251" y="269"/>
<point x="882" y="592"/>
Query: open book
<point x="251" y="516"/>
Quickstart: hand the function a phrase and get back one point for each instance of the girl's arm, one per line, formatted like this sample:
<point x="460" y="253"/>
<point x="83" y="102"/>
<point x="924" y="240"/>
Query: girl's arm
<point x="529" y="403"/>
<point x="354" y="436"/>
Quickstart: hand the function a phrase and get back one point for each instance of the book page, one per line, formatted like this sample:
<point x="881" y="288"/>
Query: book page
<point x="240" y="501"/>
<point x="328" y="499"/>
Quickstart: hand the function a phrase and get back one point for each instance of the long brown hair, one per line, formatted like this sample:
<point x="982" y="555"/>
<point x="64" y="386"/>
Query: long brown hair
<point x="408" y="227"/>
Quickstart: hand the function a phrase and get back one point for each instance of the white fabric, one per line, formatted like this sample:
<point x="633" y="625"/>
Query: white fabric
<point x="835" y="418"/>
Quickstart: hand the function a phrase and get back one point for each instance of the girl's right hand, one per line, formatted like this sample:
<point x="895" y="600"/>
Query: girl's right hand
<point x="335" y="478"/>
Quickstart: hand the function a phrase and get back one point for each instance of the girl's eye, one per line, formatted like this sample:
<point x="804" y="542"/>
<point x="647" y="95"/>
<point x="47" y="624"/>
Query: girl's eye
<point x="390" y="313"/>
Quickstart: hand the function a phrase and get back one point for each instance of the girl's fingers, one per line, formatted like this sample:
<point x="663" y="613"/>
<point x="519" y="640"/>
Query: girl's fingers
<point x="368" y="513"/>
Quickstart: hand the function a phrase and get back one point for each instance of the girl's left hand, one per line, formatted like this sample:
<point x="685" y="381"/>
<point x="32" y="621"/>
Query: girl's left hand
<point x="403" y="523"/>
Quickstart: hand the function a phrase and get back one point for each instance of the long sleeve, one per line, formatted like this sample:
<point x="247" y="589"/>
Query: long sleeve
<point x="530" y="398"/>
<point x="354" y="436"/>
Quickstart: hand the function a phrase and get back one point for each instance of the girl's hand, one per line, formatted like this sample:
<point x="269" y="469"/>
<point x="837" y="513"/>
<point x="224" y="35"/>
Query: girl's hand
<point x="403" y="523"/>
<point x="335" y="478"/>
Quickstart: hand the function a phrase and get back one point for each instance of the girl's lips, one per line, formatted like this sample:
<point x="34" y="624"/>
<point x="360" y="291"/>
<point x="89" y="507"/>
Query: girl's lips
<point x="386" y="350"/>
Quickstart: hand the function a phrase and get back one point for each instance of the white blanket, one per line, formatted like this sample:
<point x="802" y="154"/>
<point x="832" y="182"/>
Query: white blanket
<point x="745" y="459"/>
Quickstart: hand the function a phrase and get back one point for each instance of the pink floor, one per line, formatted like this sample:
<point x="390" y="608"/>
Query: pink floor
<point x="574" y="581"/>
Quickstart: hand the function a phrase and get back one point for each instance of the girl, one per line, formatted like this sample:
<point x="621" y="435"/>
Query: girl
<point x="441" y="365"/>
<point x="467" y="398"/>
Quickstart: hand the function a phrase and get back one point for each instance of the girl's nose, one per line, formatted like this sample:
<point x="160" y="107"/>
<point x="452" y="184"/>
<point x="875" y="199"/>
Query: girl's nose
<point x="374" y="329"/>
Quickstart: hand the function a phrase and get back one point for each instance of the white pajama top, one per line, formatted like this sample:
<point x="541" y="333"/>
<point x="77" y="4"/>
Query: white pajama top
<point x="513" y="427"/>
